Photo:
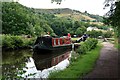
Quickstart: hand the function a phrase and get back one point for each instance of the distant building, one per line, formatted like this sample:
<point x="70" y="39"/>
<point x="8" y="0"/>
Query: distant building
<point x="92" y="28"/>
<point x="110" y="29"/>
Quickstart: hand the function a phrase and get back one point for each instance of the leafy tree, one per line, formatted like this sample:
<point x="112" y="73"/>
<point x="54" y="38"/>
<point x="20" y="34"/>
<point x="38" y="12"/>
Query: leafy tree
<point x="38" y="30"/>
<point x="80" y="31"/>
<point x="94" y="34"/>
<point x="18" y="20"/>
<point x="113" y="17"/>
<point x="108" y="34"/>
<point x="47" y="28"/>
<point x="58" y="1"/>
<point x="14" y="19"/>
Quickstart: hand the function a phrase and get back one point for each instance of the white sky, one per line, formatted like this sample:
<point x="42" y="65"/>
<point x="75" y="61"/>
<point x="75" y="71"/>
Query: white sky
<point x="91" y="6"/>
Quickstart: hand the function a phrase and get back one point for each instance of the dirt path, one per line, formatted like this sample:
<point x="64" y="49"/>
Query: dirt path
<point x="107" y="64"/>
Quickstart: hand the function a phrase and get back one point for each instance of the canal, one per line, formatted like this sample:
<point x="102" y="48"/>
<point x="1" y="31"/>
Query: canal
<point x="29" y="64"/>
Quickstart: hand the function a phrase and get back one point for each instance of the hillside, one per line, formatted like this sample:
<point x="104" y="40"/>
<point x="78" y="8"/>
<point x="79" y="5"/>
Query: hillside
<point x="18" y="20"/>
<point x="69" y="13"/>
<point x="55" y="11"/>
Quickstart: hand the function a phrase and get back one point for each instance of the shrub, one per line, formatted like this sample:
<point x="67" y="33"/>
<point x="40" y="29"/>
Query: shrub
<point x="107" y="34"/>
<point x="7" y="41"/>
<point x="89" y="44"/>
<point x="94" y="34"/>
<point x="15" y="42"/>
<point x="28" y="42"/>
<point x="82" y="49"/>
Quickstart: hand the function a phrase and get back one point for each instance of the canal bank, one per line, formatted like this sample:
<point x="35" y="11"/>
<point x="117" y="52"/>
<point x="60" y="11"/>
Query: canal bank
<point x="80" y="66"/>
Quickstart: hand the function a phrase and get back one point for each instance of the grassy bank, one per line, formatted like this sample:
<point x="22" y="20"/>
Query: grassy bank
<point x="116" y="44"/>
<point x="80" y="67"/>
<point x="74" y="39"/>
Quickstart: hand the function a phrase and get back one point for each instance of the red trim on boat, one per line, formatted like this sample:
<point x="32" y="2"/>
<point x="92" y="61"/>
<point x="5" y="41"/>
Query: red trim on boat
<point x="60" y="41"/>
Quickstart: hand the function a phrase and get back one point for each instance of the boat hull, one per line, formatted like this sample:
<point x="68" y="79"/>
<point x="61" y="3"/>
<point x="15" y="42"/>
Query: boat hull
<point x="38" y="48"/>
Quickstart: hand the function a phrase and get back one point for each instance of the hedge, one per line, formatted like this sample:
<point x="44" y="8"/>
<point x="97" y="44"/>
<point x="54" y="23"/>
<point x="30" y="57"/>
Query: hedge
<point x="16" y="42"/>
<point x="88" y="45"/>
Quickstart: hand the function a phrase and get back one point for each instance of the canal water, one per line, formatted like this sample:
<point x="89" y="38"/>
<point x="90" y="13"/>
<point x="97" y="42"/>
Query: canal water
<point x="29" y="64"/>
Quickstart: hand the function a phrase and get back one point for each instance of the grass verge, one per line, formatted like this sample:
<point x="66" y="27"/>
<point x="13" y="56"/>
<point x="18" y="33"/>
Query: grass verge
<point x="80" y="67"/>
<point x="116" y="44"/>
<point x="74" y="39"/>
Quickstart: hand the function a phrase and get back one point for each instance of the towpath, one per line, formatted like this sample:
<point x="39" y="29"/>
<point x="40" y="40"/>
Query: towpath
<point x="107" y="64"/>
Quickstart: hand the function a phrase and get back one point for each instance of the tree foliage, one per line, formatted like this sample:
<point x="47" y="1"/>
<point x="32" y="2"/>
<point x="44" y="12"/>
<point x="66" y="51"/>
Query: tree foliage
<point x="80" y="31"/>
<point x="94" y="34"/>
<point x="18" y="19"/>
<point x="113" y="16"/>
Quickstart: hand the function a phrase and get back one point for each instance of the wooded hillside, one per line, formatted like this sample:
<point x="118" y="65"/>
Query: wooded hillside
<point x="18" y="20"/>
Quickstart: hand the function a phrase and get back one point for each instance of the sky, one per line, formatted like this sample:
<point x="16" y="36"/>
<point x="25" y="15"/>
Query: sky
<point x="91" y="6"/>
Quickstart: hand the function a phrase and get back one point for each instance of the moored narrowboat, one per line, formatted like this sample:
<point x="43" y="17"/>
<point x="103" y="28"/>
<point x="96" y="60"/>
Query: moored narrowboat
<point x="48" y="43"/>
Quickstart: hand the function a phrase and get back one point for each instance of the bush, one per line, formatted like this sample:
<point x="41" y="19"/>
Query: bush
<point x="94" y="34"/>
<point x="29" y="42"/>
<point x="7" y="41"/>
<point x="89" y="44"/>
<point x="107" y="34"/>
<point x="15" y="42"/>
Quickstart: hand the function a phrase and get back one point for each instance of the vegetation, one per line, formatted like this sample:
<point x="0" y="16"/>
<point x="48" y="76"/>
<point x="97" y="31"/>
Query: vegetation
<point x="96" y="34"/>
<point x="16" y="42"/>
<point x="89" y="44"/>
<point x="22" y="20"/>
<point x="69" y="13"/>
<point x="113" y="17"/>
<point x="18" y="19"/>
<point x="108" y="34"/>
<point x="78" y="67"/>
<point x="116" y="44"/>
<point x="96" y="17"/>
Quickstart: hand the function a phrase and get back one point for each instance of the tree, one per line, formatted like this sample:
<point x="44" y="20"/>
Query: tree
<point x="38" y="30"/>
<point x="18" y="19"/>
<point x="113" y="16"/>
<point x="47" y="28"/>
<point x="80" y="31"/>
<point x="57" y="1"/>
<point x="94" y="34"/>
<point x="15" y="19"/>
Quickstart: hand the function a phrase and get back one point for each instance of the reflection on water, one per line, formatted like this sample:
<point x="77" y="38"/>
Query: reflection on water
<point x="13" y="63"/>
<point x="24" y="63"/>
<point x="46" y="60"/>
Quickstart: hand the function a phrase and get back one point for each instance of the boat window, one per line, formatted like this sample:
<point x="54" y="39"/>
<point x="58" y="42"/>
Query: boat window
<point x="58" y="41"/>
<point x="54" y="42"/>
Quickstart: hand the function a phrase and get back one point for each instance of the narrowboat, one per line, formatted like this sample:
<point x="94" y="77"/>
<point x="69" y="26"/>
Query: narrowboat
<point x="48" y="43"/>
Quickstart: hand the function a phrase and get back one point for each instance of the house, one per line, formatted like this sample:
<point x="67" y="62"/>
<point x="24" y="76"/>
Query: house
<point x="110" y="29"/>
<point x="92" y="28"/>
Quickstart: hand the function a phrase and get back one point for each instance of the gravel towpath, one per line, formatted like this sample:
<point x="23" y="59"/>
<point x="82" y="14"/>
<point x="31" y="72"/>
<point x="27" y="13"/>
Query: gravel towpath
<point x="107" y="64"/>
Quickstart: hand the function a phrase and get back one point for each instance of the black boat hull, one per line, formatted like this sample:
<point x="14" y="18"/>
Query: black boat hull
<point x="39" y="48"/>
